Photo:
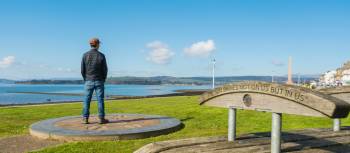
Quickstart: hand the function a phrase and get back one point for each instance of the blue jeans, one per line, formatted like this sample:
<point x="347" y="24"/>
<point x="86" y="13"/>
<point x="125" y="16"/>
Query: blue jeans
<point x="99" y="88"/>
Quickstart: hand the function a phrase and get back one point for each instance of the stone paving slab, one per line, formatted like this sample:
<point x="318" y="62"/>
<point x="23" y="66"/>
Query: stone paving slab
<point x="24" y="143"/>
<point x="331" y="149"/>
<point x="121" y="127"/>
<point x="295" y="141"/>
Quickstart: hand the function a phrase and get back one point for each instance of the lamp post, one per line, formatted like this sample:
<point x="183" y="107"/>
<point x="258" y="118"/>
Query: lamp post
<point x="213" y="73"/>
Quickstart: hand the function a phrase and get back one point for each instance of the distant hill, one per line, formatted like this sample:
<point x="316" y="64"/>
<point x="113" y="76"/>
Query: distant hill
<point x="50" y="82"/>
<point x="158" y="80"/>
<point x="6" y="81"/>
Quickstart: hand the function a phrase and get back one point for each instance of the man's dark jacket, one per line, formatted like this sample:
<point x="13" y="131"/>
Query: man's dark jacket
<point x="94" y="66"/>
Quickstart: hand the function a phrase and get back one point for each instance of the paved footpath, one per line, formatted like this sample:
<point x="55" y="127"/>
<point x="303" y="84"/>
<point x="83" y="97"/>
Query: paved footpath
<point x="24" y="143"/>
<point x="305" y="141"/>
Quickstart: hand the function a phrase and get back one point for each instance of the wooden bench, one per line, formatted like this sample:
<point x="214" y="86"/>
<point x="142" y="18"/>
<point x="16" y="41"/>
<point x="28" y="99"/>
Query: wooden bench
<point x="275" y="98"/>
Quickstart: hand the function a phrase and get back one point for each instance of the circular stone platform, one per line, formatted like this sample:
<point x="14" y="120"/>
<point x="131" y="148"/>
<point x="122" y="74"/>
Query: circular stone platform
<point x="121" y="127"/>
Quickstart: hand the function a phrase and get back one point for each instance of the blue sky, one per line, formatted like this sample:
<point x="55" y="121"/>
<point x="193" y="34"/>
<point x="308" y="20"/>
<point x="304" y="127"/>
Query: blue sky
<point x="46" y="39"/>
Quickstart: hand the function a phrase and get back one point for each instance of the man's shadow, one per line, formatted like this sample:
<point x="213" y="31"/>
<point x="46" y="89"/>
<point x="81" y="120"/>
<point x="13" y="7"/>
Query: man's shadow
<point x="137" y="119"/>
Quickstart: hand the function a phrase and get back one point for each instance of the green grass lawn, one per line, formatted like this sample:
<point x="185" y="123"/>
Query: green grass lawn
<point x="198" y="120"/>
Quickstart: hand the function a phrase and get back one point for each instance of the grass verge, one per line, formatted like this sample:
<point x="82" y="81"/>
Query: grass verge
<point x="198" y="120"/>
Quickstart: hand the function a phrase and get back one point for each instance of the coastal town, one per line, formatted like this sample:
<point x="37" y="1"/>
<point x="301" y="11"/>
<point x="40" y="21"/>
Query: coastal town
<point x="338" y="77"/>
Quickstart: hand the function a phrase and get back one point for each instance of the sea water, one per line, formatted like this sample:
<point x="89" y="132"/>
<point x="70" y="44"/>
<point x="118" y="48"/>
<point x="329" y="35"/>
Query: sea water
<point x="23" y="94"/>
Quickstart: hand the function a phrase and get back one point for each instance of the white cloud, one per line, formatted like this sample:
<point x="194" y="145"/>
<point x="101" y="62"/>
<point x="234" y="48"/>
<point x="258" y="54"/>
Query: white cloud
<point x="201" y="49"/>
<point x="7" y="61"/>
<point x="277" y="63"/>
<point x="60" y="69"/>
<point x="42" y="66"/>
<point x="160" y="52"/>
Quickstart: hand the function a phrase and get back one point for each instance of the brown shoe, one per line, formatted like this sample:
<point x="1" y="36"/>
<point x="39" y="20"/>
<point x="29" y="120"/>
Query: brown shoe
<point x="103" y="121"/>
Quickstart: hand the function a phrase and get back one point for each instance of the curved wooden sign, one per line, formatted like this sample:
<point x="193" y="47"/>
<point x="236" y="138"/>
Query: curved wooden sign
<point x="278" y="98"/>
<point x="342" y="92"/>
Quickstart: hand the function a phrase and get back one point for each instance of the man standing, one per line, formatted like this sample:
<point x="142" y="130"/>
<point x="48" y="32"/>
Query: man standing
<point x="94" y="71"/>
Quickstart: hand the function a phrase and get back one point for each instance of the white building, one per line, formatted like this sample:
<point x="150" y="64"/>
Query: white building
<point x="330" y="77"/>
<point x="345" y="79"/>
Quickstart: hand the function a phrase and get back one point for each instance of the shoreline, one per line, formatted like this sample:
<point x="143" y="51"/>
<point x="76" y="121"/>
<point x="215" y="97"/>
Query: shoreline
<point x="49" y="93"/>
<point x="113" y="97"/>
